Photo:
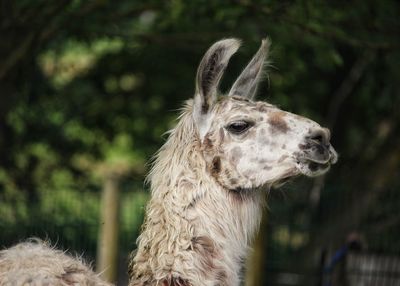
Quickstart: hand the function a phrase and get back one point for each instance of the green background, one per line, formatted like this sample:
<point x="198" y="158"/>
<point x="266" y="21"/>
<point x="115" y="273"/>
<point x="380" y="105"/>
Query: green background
<point x="88" y="87"/>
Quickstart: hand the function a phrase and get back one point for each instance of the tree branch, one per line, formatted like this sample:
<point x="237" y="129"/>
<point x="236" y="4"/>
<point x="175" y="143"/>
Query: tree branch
<point x="347" y="86"/>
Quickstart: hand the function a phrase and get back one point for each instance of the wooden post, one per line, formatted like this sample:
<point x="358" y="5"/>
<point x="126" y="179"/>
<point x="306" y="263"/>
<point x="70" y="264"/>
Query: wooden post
<point x="256" y="260"/>
<point x="107" y="251"/>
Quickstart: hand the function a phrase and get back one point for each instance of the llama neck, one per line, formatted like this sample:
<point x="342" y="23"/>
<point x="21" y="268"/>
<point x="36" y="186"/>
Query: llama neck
<point x="195" y="232"/>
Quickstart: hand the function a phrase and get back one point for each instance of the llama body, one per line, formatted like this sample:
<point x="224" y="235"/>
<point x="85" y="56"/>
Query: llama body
<point x="209" y="178"/>
<point x="36" y="263"/>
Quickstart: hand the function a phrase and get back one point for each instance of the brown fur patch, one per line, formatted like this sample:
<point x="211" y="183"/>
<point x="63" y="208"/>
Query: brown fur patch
<point x="203" y="244"/>
<point x="233" y="181"/>
<point x="208" y="143"/>
<point x="239" y="195"/>
<point x="277" y="122"/>
<point x="216" y="166"/>
<point x="205" y="247"/>
<point x="173" y="281"/>
<point x="221" y="278"/>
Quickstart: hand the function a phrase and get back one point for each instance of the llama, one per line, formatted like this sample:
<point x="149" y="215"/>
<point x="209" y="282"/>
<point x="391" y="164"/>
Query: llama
<point x="207" y="186"/>
<point x="209" y="179"/>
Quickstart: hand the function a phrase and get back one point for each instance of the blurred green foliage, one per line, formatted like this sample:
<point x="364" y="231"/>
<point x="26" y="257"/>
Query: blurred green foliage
<point x="89" y="87"/>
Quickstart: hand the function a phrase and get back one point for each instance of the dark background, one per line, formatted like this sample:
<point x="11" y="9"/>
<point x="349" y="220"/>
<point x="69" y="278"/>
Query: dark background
<point x="87" y="89"/>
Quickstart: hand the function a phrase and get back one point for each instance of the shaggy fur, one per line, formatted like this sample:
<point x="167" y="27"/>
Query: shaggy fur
<point x="36" y="263"/>
<point x="194" y="230"/>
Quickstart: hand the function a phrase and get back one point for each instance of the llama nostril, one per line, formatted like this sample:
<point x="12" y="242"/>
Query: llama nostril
<point x="320" y="136"/>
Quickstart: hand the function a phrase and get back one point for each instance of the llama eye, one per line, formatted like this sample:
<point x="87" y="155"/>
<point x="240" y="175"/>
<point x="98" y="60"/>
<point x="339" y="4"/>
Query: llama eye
<point x="239" y="127"/>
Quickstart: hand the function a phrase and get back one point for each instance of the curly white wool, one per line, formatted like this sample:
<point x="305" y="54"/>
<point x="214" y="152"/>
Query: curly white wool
<point x="36" y="263"/>
<point x="204" y="243"/>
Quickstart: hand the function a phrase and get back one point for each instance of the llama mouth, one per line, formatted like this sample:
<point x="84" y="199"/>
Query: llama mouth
<point x="315" y="166"/>
<point x="312" y="169"/>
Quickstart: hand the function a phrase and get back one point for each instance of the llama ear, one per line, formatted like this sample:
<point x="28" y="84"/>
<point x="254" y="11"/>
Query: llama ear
<point x="209" y="74"/>
<point x="247" y="82"/>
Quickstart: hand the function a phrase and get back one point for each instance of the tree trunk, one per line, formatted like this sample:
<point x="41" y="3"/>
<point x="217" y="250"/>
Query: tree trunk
<point x="107" y="251"/>
<point x="256" y="260"/>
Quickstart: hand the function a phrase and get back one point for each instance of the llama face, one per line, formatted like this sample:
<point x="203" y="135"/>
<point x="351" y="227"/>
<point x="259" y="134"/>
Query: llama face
<point x="249" y="144"/>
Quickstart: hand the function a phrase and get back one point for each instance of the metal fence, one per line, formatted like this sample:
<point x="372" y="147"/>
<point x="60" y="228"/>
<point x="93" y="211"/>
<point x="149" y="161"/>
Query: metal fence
<point x="349" y="268"/>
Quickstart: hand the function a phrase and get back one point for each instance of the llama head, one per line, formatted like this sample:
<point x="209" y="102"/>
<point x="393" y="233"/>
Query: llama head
<point x="250" y="144"/>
